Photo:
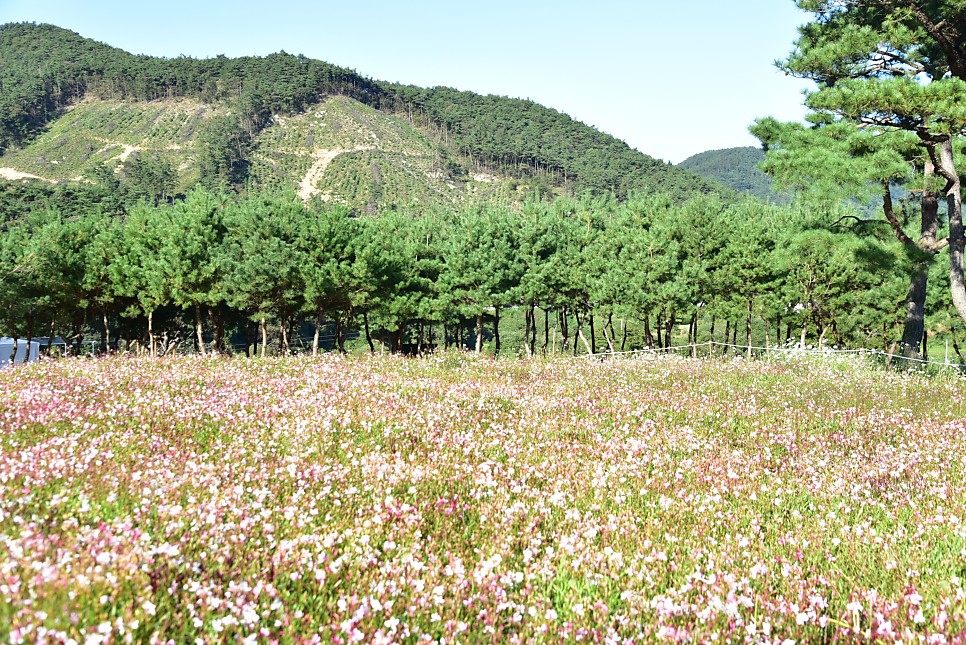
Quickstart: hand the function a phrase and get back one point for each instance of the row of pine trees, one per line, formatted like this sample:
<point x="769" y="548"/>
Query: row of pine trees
<point x="213" y="270"/>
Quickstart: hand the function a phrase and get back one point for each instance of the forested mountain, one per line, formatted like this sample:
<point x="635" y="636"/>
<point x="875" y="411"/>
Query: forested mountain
<point x="516" y="136"/>
<point x="736" y="168"/>
<point x="70" y="106"/>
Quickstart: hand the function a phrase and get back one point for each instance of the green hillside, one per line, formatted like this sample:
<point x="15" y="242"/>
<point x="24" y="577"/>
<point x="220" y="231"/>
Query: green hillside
<point x="736" y="168"/>
<point x="345" y="150"/>
<point x="69" y="105"/>
<point x="96" y="132"/>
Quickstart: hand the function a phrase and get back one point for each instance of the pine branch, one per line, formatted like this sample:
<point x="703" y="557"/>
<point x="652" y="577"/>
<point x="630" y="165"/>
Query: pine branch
<point x="890" y="215"/>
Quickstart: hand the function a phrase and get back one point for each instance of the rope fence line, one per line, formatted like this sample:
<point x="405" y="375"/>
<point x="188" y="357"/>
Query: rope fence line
<point x="743" y="349"/>
<point x="739" y="349"/>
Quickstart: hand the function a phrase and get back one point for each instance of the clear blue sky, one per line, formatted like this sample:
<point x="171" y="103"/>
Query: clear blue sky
<point x="669" y="78"/>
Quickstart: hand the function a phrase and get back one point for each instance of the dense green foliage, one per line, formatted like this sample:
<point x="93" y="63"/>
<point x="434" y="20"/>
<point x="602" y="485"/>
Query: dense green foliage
<point x="736" y="168"/>
<point x="44" y="69"/>
<point x="605" y="275"/>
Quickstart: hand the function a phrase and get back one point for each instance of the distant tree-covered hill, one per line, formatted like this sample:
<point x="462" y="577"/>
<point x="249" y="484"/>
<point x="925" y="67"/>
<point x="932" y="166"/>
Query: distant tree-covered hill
<point x="227" y="121"/>
<point x="736" y="168"/>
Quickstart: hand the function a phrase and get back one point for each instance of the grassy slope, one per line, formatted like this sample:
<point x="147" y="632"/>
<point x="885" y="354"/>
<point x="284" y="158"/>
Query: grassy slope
<point x="97" y="132"/>
<point x="350" y="152"/>
<point x="375" y="161"/>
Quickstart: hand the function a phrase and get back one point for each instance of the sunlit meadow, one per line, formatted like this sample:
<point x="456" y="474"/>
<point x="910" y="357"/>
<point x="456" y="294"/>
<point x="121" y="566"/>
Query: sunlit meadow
<point x="460" y="499"/>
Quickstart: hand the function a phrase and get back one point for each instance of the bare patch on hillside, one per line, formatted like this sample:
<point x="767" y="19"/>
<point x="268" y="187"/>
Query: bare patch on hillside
<point x="12" y="174"/>
<point x="128" y="150"/>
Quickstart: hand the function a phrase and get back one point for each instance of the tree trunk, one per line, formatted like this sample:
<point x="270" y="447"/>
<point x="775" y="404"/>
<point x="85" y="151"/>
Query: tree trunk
<point x="801" y="344"/>
<point x="199" y="331"/>
<point x="959" y="354"/>
<point x="528" y="331"/>
<point x="912" y="333"/>
<point x="660" y="330"/>
<point x="580" y="334"/>
<point x="318" y="333"/>
<point x="396" y="339"/>
<point x="343" y="333"/>
<point x="533" y="333"/>
<point x="264" y="327"/>
<point x="546" y="329"/>
<point x="496" y="331"/>
<point x="648" y="334"/>
<point x="217" y="330"/>
<point x="957" y="239"/>
<point x="668" y="330"/>
<point x="580" y="331"/>
<point x="50" y="338"/>
<point x="365" y="323"/>
<point x="748" y="328"/>
<point x="564" y="329"/>
<point x="693" y="335"/>
<point x="153" y="348"/>
<point x="30" y="337"/>
<point x="593" y="333"/>
<point x="107" y="335"/>
<point x="479" y="333"/>
<point x="76" y="339"/>
<point x="339" y="327"/>
<point x="607" y="336"/>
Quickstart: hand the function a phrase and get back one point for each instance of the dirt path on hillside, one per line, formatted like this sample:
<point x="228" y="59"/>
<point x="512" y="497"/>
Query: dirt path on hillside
<point x="12" y="174"/>
<point x="323" y="158"/>
<point x="128" y="150"/>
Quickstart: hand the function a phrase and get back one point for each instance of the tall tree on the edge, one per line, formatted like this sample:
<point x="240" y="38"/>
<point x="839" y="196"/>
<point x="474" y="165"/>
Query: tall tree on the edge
<point x="895" y="65"/>
<point x="839" y="159"/>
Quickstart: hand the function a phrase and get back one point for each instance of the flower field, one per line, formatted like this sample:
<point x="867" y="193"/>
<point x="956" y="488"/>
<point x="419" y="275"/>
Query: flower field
<point x="456" y="498"/>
